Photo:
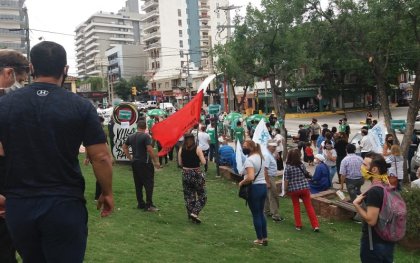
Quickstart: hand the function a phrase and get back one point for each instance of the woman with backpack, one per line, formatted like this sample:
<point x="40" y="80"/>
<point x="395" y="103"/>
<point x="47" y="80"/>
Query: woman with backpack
<point x="255" y="175"/>
<point x="297" y="187"/>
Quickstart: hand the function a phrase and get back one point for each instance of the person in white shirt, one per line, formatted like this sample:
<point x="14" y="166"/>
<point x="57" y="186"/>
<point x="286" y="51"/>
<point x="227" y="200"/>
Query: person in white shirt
<point x="397" y="164"/>
<point x="271" y="206"/>
<point x="416" y="183"/>
<point x="204" y="143"/>
<point x="365" y="144"/>
<point x="279" y="139"/>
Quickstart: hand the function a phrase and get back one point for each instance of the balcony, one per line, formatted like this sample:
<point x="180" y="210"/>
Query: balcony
<point x="149" y="4"/>
<point x="204" y="17"/>
<point x="205" y="28"/>
<point x="94" y="72"/>
<point x="152" y="35"/>
<point x="113" y="61"/>
<point x="203" y="7"/>
<point x="114" y="71"/>
<point x="91" y="25"/>
<point x="150" y="15"/>
<point x="92" y="52"/>
<point x="152" y="46"/>
<point x="93" y="45"/>
<point x="122" y="39"/>
<point x="151" y="25"/>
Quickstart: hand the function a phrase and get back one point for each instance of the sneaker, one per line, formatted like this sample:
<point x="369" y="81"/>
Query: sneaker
<point x="278" y="219"/>
<point x="152" y="209"/>
<point x="298" y="228"/>
<point x="316" y="229"/>
<point x="195" y="218"/>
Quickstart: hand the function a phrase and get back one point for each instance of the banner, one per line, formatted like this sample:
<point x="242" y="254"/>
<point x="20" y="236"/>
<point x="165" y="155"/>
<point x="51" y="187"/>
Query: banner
<point x="376" y="136"/>
<point x="125" y="118"/>
<point x="239" y="156"/>
<point x="168" y="131"/>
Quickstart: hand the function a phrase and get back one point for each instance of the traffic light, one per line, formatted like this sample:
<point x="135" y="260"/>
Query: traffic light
<point x="133" y="91"/>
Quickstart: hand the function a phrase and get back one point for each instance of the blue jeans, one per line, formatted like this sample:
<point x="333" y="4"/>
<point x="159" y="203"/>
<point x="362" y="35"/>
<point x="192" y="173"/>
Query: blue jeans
<point x="48" y="229"/>
<point x="381" y="253"/>
<point x="333" y="170"/>
<point x="256" y="205"/>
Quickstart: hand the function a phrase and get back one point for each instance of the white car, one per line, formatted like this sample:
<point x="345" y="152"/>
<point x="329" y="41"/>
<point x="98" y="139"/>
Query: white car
<point x="417" y="124"/>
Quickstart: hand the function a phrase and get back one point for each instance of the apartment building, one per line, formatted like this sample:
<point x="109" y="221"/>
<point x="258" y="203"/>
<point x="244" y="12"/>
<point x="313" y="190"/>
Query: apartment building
<point x="178" y="35"/>
<point x="126" y="61"/>
<point x="12" y="25"/>
<point x="102" y="31"/>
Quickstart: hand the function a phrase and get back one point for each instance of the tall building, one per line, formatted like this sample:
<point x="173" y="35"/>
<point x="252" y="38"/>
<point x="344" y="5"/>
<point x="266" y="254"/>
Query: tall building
<point x="102" y="31"/>
<point x="178" y="35"/>
<point x="12" y="25"/>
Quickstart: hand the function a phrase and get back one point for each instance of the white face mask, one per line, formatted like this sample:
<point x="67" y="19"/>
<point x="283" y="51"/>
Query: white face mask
<point x="16" y="84"/>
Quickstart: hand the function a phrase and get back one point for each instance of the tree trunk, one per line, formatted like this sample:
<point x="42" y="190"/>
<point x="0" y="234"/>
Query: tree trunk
<point x="241" y="103"/>
<point x="383" y="99"/>
<point x="279" y="96"/>
<point x="411" y="119"/>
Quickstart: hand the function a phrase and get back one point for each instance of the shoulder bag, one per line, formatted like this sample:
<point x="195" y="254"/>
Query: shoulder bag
<point x="245" y="190"/>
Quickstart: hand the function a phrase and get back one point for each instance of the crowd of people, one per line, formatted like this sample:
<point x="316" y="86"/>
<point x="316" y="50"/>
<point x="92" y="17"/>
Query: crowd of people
<point x="54" y="123"/>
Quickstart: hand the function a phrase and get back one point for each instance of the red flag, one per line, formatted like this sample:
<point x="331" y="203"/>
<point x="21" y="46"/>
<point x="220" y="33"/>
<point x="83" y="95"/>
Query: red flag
<point x="171" y="129"/>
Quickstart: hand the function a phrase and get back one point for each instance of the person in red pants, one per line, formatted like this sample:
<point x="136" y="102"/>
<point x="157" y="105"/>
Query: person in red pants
<point x="297" y="187"/>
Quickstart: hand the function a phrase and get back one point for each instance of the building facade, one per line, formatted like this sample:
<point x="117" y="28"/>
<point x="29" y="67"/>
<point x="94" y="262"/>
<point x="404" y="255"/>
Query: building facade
<point x="126" y="61"/>
<point x="102" y="31"/>
<point x="13" y="25"/>
<point x="178" y="35"/>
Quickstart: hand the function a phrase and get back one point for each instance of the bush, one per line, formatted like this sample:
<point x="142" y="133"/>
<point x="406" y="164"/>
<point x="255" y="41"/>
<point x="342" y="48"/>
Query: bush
<point x="412" y="200"/>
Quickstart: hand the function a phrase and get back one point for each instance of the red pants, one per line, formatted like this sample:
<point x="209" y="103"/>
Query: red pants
<point x="305" y="195"/>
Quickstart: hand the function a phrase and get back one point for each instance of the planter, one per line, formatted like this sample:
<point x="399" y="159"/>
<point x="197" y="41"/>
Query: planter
<point x="410" y="244"/>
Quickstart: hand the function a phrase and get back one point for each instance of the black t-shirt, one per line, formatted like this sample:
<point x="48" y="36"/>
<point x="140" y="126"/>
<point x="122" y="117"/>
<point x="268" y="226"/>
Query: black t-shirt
<point x="139" y="142"/>
<point x="340" y="148"/>
<point x="374" y="197"/>
<point x="42" y="127"/>
<point x="303" y="135"/>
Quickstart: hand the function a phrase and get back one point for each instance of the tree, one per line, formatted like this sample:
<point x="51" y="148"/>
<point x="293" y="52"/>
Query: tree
<point x="373" y="30"/>
<point x="232" y="61"/>
<point x="96" y="83"/>
<point x="276" y="49"/>
<point x="123" y="89"/>
<point x="139" y="82"/>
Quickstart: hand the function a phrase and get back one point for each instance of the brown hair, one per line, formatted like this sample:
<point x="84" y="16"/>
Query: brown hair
<point x="396" y="150"/>
<point x="189" y="141"/>
<point x="293" y="157"/>
<point x="386" y="139"/>
<point x="15" y="60"/>
<point x="254" y="148"/>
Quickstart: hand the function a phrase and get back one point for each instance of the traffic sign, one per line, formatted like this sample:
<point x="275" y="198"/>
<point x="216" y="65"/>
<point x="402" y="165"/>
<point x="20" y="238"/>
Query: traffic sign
<point x="214" y="109"/>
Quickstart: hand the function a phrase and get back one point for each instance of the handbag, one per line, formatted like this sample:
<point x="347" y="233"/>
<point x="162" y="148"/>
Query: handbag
<point x="305" y="173"/>
<point x="245" y="190"/>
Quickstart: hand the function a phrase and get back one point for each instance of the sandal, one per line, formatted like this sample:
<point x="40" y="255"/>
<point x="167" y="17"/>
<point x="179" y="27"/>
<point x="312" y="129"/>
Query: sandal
<point x="195" y="218"/>
<point x="260" y="242"/>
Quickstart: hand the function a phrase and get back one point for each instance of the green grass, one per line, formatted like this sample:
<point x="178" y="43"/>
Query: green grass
<point x="226" y="234"/>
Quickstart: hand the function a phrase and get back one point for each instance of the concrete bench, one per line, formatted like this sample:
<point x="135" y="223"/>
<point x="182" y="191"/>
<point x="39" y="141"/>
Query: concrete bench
<point x="325" y="206"/>
<point x="345" y="205"/>
<point x="229" y="174"/>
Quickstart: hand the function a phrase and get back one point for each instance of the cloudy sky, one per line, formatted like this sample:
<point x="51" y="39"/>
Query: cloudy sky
<point x="63" y="17"/>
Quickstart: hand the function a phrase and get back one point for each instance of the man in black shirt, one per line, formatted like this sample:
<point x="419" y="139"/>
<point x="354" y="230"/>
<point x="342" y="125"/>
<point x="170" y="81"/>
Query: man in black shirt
<point x="41" y="129"/>
<point x="143" y="169"/>
<point x="374" y="168"/>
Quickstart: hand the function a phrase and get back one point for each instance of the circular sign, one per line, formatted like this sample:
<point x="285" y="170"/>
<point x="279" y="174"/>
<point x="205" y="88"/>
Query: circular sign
<point x="125" y="112"/>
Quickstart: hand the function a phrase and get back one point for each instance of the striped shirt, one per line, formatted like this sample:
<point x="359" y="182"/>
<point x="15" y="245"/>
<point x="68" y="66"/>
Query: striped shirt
<point x="295" y="178"/>
<point x="350" y="166"/>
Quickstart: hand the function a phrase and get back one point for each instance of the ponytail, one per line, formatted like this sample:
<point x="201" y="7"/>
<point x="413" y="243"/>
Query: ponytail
<point x="258" y="150"/>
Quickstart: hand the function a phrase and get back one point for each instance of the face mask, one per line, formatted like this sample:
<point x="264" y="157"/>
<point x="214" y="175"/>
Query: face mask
<point x="16" y="84"/>
<point x="273" y="133"/>
<point x="246" y="151"/>
<point x="390" y="141"/>
<point x="365" y="173"/>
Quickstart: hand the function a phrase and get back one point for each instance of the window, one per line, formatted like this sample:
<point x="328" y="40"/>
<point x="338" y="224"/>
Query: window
<point x="180" y="33"/>
<point x="181" y="54"/>
<point x="181" y="43"/>
<point x="179" y="22"/>
<point x="179" y="12"/>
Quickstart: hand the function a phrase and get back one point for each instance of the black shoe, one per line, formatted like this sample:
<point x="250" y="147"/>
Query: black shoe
<point x="278" y="219"/>
<point x="316" y="229"/>
<point x="141" y="207"/>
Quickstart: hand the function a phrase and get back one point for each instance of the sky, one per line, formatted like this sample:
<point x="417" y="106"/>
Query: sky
<point x="64" y="16"/>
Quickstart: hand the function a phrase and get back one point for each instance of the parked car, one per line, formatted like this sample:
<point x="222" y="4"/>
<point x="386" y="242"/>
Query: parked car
<point x="167" y="106"/>
<point x="151" y="104"/>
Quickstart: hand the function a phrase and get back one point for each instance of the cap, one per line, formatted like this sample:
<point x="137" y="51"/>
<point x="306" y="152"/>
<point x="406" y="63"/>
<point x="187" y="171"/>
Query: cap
<point x="320" y="157"/>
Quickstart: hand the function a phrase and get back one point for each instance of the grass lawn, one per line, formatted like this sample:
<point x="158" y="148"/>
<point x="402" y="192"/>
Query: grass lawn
<point x="226" y="234"/>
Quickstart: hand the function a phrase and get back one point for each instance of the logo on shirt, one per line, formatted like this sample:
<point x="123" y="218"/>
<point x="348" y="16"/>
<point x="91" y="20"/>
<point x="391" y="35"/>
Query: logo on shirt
<point x="42" y="92"/>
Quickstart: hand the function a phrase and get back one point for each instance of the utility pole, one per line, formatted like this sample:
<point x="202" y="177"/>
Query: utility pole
<point x="28" y="41"/>
<point x="229" y="26"/>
